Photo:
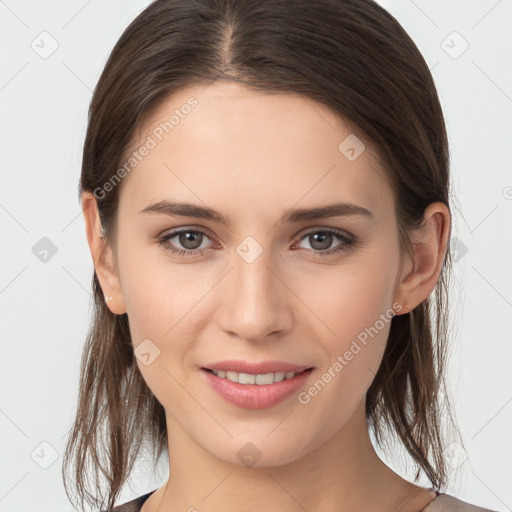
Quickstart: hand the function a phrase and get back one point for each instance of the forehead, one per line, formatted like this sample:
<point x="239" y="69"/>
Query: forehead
<point x="227" y="144"/>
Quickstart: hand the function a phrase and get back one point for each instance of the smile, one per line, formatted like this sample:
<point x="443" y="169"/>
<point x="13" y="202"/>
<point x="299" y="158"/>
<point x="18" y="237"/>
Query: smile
<point x="250" y="378"/>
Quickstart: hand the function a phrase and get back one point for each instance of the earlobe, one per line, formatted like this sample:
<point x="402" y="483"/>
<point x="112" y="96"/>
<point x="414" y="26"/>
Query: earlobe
<point x="429" y="247"/>
<point x="102" y="256"/>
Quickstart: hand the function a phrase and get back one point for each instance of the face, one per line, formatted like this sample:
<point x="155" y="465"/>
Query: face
<point x="260" y="284"/>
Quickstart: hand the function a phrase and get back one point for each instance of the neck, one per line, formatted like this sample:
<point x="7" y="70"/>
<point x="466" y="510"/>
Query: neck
<point x="342" y="474"/>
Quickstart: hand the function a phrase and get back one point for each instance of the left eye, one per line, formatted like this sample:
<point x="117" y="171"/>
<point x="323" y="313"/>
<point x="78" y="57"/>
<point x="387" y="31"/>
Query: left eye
<point x="323" y="239"/>
<point x="192" y="241"/>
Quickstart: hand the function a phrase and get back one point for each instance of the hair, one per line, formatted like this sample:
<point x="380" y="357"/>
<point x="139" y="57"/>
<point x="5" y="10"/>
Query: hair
<point x="354" y="57"/>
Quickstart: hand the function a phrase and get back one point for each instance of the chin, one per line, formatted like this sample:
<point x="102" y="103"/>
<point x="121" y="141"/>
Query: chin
<point x="258" y="451"/>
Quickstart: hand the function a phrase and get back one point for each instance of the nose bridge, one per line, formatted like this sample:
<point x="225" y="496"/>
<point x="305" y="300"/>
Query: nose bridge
<point x="256" y="301"/>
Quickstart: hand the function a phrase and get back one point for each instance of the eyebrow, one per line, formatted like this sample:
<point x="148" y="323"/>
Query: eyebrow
<point x="184" y="209"/>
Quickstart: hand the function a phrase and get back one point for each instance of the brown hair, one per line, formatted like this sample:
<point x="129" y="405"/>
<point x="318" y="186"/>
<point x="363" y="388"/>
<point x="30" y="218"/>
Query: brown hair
<point x="350" y="55"/>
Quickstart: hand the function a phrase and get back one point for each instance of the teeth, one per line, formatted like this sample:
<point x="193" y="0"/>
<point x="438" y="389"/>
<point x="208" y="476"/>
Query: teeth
<point x="249" y="378"/>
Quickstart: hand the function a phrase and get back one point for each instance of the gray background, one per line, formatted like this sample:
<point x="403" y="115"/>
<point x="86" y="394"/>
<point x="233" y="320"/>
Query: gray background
<point x="45" y="297"/>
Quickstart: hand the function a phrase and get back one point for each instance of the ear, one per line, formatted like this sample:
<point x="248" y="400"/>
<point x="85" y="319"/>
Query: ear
<point x="102" y="255"/>
<point x="429" y="241"/>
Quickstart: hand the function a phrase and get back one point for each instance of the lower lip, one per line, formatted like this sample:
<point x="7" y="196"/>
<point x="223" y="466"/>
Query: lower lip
<point x="254" y="396"/>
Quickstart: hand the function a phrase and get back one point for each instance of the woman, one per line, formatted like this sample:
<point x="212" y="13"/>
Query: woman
<point x="265" y="189"/>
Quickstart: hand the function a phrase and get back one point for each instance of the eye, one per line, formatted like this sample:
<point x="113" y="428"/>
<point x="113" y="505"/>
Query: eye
<point x="321" y="240"/>
<point x="191" y="240"/>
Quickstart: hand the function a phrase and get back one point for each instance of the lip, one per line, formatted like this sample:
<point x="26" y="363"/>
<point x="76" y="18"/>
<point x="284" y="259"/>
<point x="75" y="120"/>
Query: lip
<point x="240" y="366"/>
<point x="254" y="396"/>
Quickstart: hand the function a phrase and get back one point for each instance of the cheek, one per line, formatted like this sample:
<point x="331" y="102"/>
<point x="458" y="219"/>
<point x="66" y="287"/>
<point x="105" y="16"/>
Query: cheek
<point x="358" y="320"/>
<point x="350" y="298"/>
<point x="354" y="308"/>
<point x="161" y="297"/>
<point x="164" y="311"/>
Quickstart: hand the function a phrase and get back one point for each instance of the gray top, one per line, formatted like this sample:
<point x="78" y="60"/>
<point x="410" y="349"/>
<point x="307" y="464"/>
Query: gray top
<point x="446" y="503"/>
<point x="441" y="503"/>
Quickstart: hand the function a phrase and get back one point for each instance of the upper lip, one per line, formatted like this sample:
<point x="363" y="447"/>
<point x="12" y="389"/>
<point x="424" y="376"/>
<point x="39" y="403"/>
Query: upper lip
<point x="261" y="368"/>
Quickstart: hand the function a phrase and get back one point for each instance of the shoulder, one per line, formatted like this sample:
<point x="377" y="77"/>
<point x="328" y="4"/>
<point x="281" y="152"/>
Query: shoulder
<point x="448" y="503"/>
<point x="134" y="505"/>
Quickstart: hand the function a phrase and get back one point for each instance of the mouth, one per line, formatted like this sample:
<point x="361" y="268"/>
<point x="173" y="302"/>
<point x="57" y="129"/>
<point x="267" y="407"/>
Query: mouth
<point x="256" y="391"/>
<point x="256" y="379"/>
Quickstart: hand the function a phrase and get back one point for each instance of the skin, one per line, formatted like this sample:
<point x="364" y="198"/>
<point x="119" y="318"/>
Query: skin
<point x="253" y="157"/>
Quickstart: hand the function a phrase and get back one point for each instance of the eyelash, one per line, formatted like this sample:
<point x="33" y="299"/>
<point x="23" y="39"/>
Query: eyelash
<point x="347" y="244"/>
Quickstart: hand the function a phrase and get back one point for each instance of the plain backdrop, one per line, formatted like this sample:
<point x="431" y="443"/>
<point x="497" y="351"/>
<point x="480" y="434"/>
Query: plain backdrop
<point x="45" y="301"/>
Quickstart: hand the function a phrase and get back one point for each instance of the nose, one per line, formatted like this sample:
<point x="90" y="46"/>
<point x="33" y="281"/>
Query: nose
<point x="256" y="300"/>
